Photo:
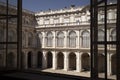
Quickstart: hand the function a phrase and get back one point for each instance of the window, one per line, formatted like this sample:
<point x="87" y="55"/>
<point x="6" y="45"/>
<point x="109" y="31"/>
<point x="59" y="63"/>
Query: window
<point x="85" y="39"/>
<point x="100" y="35"/>
<point x="66" y="20"/>
<point x="46" y="21"/>
<point x="72" y="39"/>
<point x="56" y="20"/>
<point x="113" y="34"/>
<point x="30" y="40"/>
<point x="113" y="37"/>
<point x="49" y="39"/>
<point x="60" y="39"/>
<point x="11" y="36"/>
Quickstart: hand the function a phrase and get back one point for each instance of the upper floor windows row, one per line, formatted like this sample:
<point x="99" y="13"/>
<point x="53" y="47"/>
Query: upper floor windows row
<point x="71" y="38"/>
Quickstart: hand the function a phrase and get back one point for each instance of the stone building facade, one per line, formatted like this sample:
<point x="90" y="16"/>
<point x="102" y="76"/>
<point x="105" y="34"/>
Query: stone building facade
<point x="65" y="39"/>
<point x="60" y="39"/>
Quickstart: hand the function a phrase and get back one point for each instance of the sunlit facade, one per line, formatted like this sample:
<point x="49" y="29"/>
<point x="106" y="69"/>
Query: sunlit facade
<point x="59" y="40"/>
<point x="65" y="34"/>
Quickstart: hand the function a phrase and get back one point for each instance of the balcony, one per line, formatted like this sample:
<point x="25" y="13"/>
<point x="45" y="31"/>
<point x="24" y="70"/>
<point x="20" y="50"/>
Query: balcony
<point x="110" y="21"/>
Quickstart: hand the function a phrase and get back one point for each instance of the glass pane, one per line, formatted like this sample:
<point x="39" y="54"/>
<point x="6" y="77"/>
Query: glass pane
<point x="2" y="57"/>
<point x="2" y="7"/>
<point x="12" y="46"/>
<point x="101" y="62"/>
<point x="111" y="62"/>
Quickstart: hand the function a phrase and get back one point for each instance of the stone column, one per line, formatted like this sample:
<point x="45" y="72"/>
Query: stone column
<point x="77" y="39"/>
<point x="65" y="39"/>
<point x="79" y="62"/>
<point x="109" y="69"/>
<point x="66" y="61"/>
<point x="54" y="60"/>
<point x="43" y="41"/>
<point x="54" y="39"/>
<point x="44" y="60"/>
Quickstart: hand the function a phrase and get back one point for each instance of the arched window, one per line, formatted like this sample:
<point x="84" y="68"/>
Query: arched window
<point x="40" y="37"/>
<point x="60" y="39"/>
<point x="38" y="42"/>
<point x="85" y="39"/>
<point x="30" y="40"/>
<point x="72" y="39"/>
<point x="113" y="37"/>
<point x="49" y="39"/>
<point x="100" y="37"/>
<point x="11" y="36"/>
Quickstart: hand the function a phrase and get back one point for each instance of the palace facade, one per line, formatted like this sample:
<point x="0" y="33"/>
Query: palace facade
<point x="59" y="39"/>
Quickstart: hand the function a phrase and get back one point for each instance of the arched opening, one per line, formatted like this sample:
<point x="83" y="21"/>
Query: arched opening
<point x="60" y="60"/>
<point x="101" y="63"/>
<point x="30" y="40"/>
<point x="72" y="39"/>
<point x="39" y="59"/>
<point x="29" y="61"/>
<point x="85" y="62"/>
<point x="49" y="60"/>
<point x="23" y="60"/>
<point x="60" y="39"/>
<point x="113" y="64"/>
<point x="85" y="39"/>
<point x="72" y="61"/>
<point x="49" y="39"/>
<point x="11" y="60"/>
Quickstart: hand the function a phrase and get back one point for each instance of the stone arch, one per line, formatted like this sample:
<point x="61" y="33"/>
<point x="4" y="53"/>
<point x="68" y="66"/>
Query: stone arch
<point x="85" y="61"/>
<point x="100" y="35"/>
<point x="40" y="35"/>
<point x="60" y="60"/>
<point x="30" y="39"/>
<point x="85" y="39"/>
<point x="29" y="59"/>
<point x="49" y="59"/>
<point x="72" y="61"/>
<point x="23" y="60"/>
<point x="12" y="35"/>
<point x="39" y="39"/>
<point x="39" y="59"/>
<point x="113" y="35"/>
<point x="101" y="63"/>
<point x="113" y="63"/>
<point x="60" y="39"/>
<point x="49" y="39"/>
<point x="11" y="60"/>
<point x="72" y="39"/>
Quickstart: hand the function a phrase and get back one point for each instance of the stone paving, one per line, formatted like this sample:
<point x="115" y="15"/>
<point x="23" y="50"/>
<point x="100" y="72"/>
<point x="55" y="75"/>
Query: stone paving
<point x="39" y="76"/>
<point x="84" y="74"/>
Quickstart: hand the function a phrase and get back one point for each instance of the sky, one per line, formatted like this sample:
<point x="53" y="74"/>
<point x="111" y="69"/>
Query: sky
<point x="38" y="5"/>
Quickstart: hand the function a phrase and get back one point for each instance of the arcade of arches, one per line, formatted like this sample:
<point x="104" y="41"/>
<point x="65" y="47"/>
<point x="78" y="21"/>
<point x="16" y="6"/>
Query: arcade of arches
<point x="67" y="61"/>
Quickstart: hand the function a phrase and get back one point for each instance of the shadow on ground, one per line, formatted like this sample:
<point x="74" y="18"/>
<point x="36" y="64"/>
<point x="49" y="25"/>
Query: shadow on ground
<point x="36" y="75"/>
